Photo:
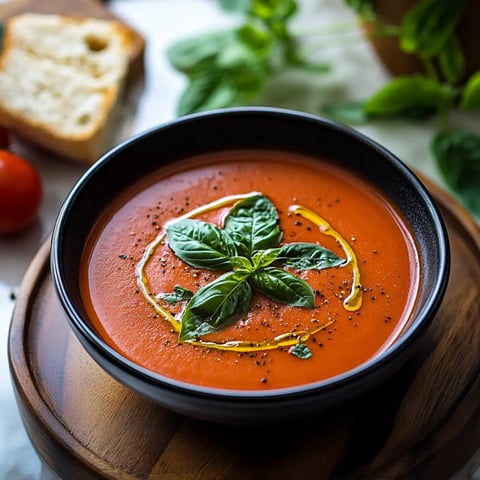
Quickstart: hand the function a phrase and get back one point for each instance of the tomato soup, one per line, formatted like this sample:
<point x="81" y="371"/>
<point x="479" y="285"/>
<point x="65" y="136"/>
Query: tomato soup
<point x="270" y="321"/>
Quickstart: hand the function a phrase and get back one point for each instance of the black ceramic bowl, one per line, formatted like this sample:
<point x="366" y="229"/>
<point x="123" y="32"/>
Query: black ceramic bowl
<point x="242" y="128"/>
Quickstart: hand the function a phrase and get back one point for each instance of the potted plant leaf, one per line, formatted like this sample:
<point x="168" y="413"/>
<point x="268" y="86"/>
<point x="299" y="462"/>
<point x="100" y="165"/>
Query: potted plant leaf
<point x="429" y="47"/>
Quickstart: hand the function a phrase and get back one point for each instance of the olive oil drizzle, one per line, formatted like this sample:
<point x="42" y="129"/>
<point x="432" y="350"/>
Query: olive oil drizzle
<point x="352" y="302"/>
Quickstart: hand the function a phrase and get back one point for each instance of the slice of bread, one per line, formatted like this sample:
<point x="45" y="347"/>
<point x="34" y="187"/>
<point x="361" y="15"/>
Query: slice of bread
<point x="61" y="79"/>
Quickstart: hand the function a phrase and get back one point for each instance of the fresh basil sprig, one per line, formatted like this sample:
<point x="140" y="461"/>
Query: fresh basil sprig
<point x="248" y="249"/>
<point x="223" y="68"/>
<point x="230" y="67"/>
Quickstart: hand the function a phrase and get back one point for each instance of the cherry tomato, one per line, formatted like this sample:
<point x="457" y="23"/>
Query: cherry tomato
<point x="20" y="192"/>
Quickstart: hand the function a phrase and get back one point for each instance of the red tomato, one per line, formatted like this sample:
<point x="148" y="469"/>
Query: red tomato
<point x="20" y="192"/>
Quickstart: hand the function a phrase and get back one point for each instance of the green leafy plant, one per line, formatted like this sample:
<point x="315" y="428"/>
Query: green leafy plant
<point x="429" y="31"/>
<point x="248" y="250"/>
<point x="232" y="67"/>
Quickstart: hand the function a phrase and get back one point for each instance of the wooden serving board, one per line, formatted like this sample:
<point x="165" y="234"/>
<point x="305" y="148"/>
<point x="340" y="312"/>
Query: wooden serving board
<point x="423" y="423"/>
<point x="84" y="8"/>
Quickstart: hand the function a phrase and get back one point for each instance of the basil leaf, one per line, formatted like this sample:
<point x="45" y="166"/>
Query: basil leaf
<point x="301" y="351"/>
<point x="471" y="93"/>
<point x="351" y="113"/>
<point x="179" y="294"/>
<point x="409" y="96"/>
<point x="273" y="10"/>
<point x="226" y="299"/>
<point x="224" y="68"/>
<point x="452" y="60"/>
<point x="428" y="25"/>
<point x="206" y="91"/>
<point x="199" y="52"/>
<point x="230" y="79"/>
<point x="253" y="225"/>
<point x="231" y="68"/>
<point x="201" y="244"/>
<point x="307" y="256"/>
<point x="242" y="263"/>
<point x="284" y="287"/>
<point x="263" y="258"/>
<point x="243" y="64"/>
<point x="458" y="158"/>
<point x="259" y="40"/>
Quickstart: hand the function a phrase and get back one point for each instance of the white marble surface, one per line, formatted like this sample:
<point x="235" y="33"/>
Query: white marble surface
<point x="356" y="74"/>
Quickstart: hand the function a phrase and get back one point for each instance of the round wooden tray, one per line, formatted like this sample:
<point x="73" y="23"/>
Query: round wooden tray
<point x="423" y="423"/>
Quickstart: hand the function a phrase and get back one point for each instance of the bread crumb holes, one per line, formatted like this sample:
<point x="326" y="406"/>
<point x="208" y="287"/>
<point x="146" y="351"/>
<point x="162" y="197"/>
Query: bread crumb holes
<point x="83" y="119"/>
<point x="95" y="43"/>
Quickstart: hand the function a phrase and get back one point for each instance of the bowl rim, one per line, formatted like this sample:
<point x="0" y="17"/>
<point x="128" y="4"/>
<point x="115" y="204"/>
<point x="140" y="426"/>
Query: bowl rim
<point x="373" y="365"/>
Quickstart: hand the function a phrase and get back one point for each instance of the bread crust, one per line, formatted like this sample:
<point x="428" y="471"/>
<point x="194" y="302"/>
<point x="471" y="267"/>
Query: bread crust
<point x="51" y="127"/>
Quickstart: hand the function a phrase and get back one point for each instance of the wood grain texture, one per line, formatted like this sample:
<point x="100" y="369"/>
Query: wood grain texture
<point x="422" y="423"/>
<point x="84" y="8"/>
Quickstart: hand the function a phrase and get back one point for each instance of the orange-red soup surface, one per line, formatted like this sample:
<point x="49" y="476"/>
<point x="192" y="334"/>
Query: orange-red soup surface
<point x="384" y="247"/>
